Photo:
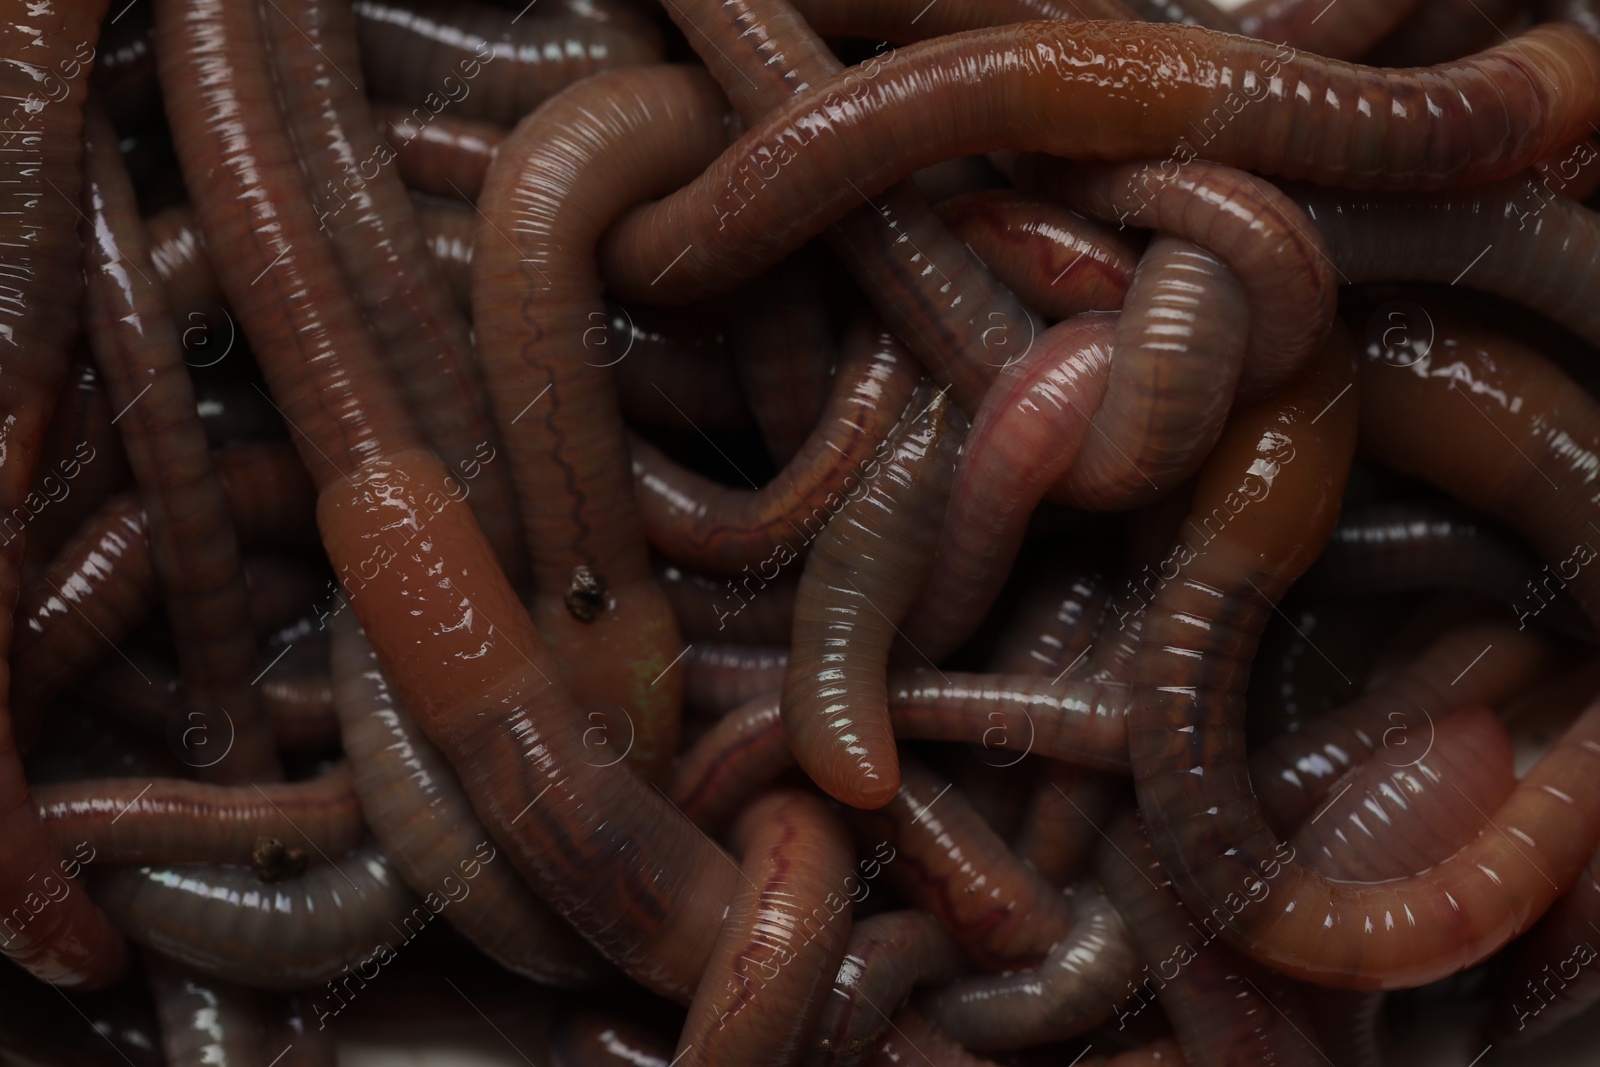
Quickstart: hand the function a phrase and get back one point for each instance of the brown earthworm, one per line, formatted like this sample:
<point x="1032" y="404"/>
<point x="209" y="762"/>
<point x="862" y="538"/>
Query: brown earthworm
<point x="206" y="1021"/>
<point x="1059" y="825"/>
<point x="719" y="678"/>
<point x="596" y="1039"/>
<point x="1057" y="261"/>
<point x="424" y="822"/>
<point x="928" y="287"/>
<point x="1343" y="31"/>
<point x="541" y="328"/>
<point x="948" y="861"/>
<point x="363" y="207"/>
<point x="465" y="659"/>
<point x="226" y="923"/>
<point x="754" y="205"/>
<point x="193" y="548"/>
<point x="904" y="21"/>
<point x="180" y="259"/>
<point x="783" y="939"/>
<point x="125" y="820"/>
<point x="1441" y="30"/>
<point x="81" y="462"/>
<point x="887" y="956"/>
<point x="480" y="62"/>
<point x="715" y="608"/>
<point x="450" y="229"/>
<point x="861" y="576"/>
<point x="447" y="155"/>
<point x="1075" y="988"/>
<point x="46" y="49"/>
<point x="693" y="519"/>
<point x="1551" y="981"/>
<point x="1185" y="12"/>
<point x="1224" y="1008"/>
<point x="913" y="1040"/>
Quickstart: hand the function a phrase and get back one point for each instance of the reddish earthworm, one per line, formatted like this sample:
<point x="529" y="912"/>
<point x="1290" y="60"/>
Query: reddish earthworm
<point x="861" y="577"/>
<point x="226" y="923"/>
<point x="783" y="349"/>
<point x="542" y="328"/>
<point x="596" y="1039"/>
<point x="481" y="62"/>
<point x="1441" y="30"/>
<point x="1224" y="1008"/>
<point x="650" y="892"/>
<point x="1346" y="31"/>
<point x="205" y="1021"/>
<point x="367" y="213"/>
<point x="193" y="548"/>
<point x="180" y="259"/>
<point x="783" y="939"/>
<point x="46" y="49"/>
<point x="715" y="608"/>
<point x="1052" y="627"/>
<point x="1060" y="824"/>
<point x="929" y="288"/>
<point x="424" y="822"/>
<point x="693" y="519"/>
<point x="887" y="956"/>
<point x="1551" y="980"/>
<point x="450" y="230"/>
<point x="913" y="1040"/>
<point x="1057" y="261"/>
<point x="447" y="155"/>
<point x="1508" y="238"/>
<point x="124" y="74"/>
<point x="1027" y="434"/>
<point x="738" y="757"/>
<point x="1186" y="12"/>
<point x="1075" y="988"/>
<point x="81" y="462"/>
<point x="719" y="678"/>
<point x="948" y="861"/>
<point x="1053" y="75"/>
<point x="904" y="21"/>
<point x="125" y="820"/>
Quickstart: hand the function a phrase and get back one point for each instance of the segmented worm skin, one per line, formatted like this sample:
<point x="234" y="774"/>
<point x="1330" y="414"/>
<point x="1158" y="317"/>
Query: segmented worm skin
<point x="596" y="1039"/>
<point x="784" y="353"/>
<point x="450" y="231"/>
<point x="1517" y="238"/>
<point x="719" y="678"/>
<point x="783" y="939"/>
<point x="1027" y="434"/>
<point x="445" y="155"/>
<point x="1186" y="13"/>
<point x="888" y="954"/>
<point x="226" y="923"/>
<point x="80" y="463"/>
<point x="1057" y="261"/>
<point x="948" y="861"/>
<point x="731" y="763"/>
<point x="1060" y="824"/>
<point x="1293" y="773"/>
<point x="424" y="822"/>
<point x="126" y="820"/>
<point x="65" y="940"/>
<point x="1074" y="989"/>
<point x="1226" y="1010"/>
<point x="102" y="582"/>
<point x="912" y="1039"/>
<point x="904" y="21"/>
<point x="1551" y="980"/>
<point x="929" y="288"/>
<point x="1087" y="90"/>
<point x="1422" y="545"/>
<point x="502" y="66"/>
<point x="205" y="1021"/>
<point x="367" y="213"/>
<point x="192" y="544"/>
<point x="178" y="253"/>
<point x="697" y="600"/>
<point x="1346" y="31"/>
<point x="465" y="659"/>
<point x="695" y="520"/>
<point x="861" y="577"/>
<point x="1251" y="225"/>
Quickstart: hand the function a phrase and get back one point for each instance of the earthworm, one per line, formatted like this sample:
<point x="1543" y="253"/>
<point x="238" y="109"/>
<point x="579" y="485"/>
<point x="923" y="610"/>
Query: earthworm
<point x="367" y="213"/>
<point x="1224" y="1008"/>
<point x="1419" y="545"/>
<point x="912" y="1039"/>
<point x="649" y="893"/>
<point x="125" y="820"/>
<point x="861" y="576"/>
<point x="1060" y="824"/>
<point x="193" y="548"/>
<point x="888" y="954"/>
<point x="928" y="287"/>
<point x="714" y="608"/>
<point x="1551" y="980"/>
<point x="81" y="462"/>
<point x="1270" y="245"/>
<point x="206" y="1021"/>
<point x="180" y="259"/>
<point x="718" y="678"/>
<point x="65" y="941"/>
<point x="1187" y="13"/>
<point x="712" y="236"/>
<point x="1057" y="261"/>
<point x="948" y="861"/>
<point x="1345" y="32"/>
<point x="730" y="764"/>
<point x="783" y="350"/>
<point x="1441" y="30"/>
<point x="1504" y="238"/>
<point x="783" y="939"/>
<point x="124" y="75"/>
<point x="596" y="1039"/>
<point x="693" y="519"/>
<point x="1075" y="988"/>
<point x="1028" y="432"/>
<point x="425" y="53"/>
<point x="904" y="21"/>
<point x="424" y="822"/>
<point x="226" y="923"/>
<point x="450" y="230"/>
<point x="1052" y="627"/>
<point x="447" y="155"/>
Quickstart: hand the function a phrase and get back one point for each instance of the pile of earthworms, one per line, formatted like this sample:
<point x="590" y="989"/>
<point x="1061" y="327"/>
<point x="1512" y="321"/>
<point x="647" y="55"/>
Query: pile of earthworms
<point x="800" y="531"/>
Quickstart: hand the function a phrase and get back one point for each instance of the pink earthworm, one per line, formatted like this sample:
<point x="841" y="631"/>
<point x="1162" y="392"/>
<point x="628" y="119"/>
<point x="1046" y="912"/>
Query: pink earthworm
<point x="205" y="1021"/>
<point x="719" y="678"/>
<point x="445" y="155"/>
